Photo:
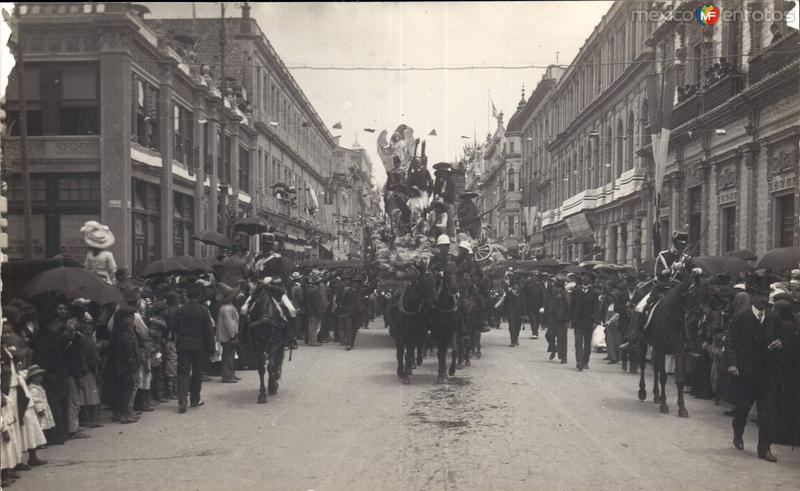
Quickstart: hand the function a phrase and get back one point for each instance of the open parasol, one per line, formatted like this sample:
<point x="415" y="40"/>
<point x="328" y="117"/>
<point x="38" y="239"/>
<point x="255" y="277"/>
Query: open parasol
<point x="73" y="283"/>
<point x="744" y="254"/>
<point x="164" y="267"/>
<point x="213" y="238"/>
<point x="780" y="260"/>
<point x="192" y="263"/>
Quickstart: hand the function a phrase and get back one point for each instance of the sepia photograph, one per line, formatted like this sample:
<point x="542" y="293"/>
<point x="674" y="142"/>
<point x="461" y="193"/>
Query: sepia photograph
<point x="412" y="246"/>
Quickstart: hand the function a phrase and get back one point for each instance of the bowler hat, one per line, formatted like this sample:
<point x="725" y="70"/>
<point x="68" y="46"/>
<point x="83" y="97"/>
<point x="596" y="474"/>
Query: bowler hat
<point x="35" y="370"/>
<point x="443" y="166"/>
<point x="758" y="284"/>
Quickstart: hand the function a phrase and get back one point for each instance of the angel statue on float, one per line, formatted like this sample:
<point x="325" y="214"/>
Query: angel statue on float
<point x="401" y="145"/>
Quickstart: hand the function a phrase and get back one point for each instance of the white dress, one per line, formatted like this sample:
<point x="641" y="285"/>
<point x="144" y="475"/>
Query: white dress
<point x="41" y="406"/>
<point x="103" y="265"/>
<point x="31" y="431"/>
<point x="10" y="453"/>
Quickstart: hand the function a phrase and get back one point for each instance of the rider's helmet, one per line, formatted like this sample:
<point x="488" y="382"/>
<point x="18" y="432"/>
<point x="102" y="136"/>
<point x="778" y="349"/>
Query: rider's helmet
<point x="679" y="241"/>
<point x="443" y="240"/>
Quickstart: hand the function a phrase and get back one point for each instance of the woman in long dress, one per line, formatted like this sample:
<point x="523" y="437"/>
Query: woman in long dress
<point x="99" y="259"/>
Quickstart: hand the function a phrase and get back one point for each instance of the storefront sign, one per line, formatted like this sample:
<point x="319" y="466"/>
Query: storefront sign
<point x="115" y="203"/>
<point x="579" y="225"/>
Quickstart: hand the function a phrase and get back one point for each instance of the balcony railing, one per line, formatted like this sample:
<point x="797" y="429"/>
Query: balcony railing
<point x="707" y="99"/>
<point x="775" y="57"/>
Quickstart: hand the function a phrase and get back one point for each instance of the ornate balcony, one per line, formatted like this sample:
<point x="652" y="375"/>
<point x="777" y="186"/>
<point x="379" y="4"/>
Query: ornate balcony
<point x="774" y="58"/>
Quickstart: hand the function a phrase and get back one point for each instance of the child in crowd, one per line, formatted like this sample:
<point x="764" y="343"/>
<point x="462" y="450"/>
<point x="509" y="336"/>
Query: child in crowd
<point x="31" y="432"/>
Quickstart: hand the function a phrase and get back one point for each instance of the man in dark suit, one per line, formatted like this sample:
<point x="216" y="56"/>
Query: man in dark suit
<point x="556" y="315"/>
<point x="583" y="307"/>
<point x="514" y="306"/>
<point x="752" y="348"/>
<point x="624" y="305"/>
<point x="195" y="341"/>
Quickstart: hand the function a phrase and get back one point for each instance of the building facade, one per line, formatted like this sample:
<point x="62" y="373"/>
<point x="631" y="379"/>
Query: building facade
<point x="580" y="149"/>
<point x="732" y="166"/>
<point x="731" y="177"/>
<point x="353" y="198"/>
<point x="131" y="121"/>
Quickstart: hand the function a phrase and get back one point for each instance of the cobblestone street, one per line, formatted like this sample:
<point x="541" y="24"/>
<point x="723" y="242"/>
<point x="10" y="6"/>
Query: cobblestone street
<point x="342" y="420"/>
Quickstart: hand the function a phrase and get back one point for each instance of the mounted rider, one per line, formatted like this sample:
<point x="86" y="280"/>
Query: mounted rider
<point x="670" y="262"/>
<point x="270" y="263"/>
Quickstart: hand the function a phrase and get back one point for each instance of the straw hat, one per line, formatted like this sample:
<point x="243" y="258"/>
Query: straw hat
<point x="97" y="235"/>
<point x="315" y="276"/>
<point x="295" y="276"/>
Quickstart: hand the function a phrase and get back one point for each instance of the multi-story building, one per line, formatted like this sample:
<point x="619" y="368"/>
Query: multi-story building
<point x="731" y="177"/>
<point x="136" y="122"/>
<point x="580" y="146"/>
<point x="732" y="165"/>
<point x="352" y="197"/>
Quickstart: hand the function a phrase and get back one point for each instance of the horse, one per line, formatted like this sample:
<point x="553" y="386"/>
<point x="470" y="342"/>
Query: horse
<point x="667" y="331"/>
<point x="408" y="323"/>
<point x="443" y="323"/>
<point x="268" y="330"/>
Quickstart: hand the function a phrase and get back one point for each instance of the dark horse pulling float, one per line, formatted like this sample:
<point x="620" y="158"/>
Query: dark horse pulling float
<point x="426" y="305"/>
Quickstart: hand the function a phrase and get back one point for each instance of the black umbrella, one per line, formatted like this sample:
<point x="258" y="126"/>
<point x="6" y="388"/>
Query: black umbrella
<point x="192" y="263"/>
<point x="212" y="262"/>
<point x="251" y="225"/>
<point x="744" y="254"/>
<point x="73" y="283"/>
<point x="572" y="268"/>
<point x="546" y="264"/>
<point x="780" y="260"/>
<point x="164" y="267"/>
<point x="213" y="238"/>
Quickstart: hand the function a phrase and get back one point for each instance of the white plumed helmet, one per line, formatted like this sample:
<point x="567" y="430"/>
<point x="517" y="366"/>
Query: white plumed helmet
<point x="443" y="240"/>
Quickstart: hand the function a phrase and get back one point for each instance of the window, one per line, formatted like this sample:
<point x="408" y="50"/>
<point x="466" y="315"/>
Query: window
<point x="510" y="147"/>
<point x="695" y="213"/>
<point x="208" y="164"/>
<point x="697" y="65"/>
<point x="511" y="184"/>
<point x="183" y="223"/>
<point x="33" y="120"/>
<point x="79" y="189"/>
<point x="619" y="164"/>
<point x="728" y="229"/>
<point x="225" y="160"/>
<point x="38" y="189"/>
<point x="146" y="224"/>
<point x="244" y="170"/>
<point x="511" y="230"/>
<point x="182" y="126"/>
<point x="145" y="127"/>
<point x="784" y="220"/>
<point x="608" y="150"/>
<point x="79" y="110"/>
<point x="665" y="233"/>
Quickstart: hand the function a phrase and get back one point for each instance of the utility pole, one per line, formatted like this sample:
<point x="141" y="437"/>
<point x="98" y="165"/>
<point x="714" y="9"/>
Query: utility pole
<point x="23" y="140"/>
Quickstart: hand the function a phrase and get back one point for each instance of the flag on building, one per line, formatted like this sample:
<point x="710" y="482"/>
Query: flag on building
<point x="494" y="111"/>
<point x="661" y="91"/>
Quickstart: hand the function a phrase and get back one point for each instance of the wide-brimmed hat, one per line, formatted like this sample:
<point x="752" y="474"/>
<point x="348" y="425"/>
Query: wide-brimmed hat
<point x="438" y="202"/>
<point x="315" y="276"/>
<point x="295" y="276"/>
<point x="226" y="293"/>
<point x="443" y="167"/>
<point x="34" y="370"/>
<point x="466" y="246"/>
<point x="97" y="235"/>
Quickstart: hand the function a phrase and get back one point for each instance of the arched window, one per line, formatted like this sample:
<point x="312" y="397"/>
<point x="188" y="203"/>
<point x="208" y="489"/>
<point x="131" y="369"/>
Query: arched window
<point x="511" y="173"/>
<point x="618" y="165"/>
<point x="589" y="166"/>
<point x="629" y="162"/>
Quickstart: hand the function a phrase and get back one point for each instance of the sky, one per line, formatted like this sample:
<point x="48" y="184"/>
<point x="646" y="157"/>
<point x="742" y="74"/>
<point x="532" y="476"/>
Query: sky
<point x="454" y="103"/>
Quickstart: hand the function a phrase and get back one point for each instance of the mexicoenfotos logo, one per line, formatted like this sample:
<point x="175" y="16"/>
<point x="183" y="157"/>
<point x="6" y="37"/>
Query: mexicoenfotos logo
<point x="707" y="15"/>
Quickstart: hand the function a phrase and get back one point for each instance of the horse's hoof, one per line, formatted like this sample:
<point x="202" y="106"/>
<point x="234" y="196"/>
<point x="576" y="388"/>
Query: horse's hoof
<point x="642" y="395"/>
<point x="459" y="366"/>
<point x="441" y="379"/>
<point x="452" y="371"/>
<point x="406" y="380"/>
<point x="262" y="398"/>
<point x="656" y="399"/>
<point x="467" y="363"/>
<point x="683" y="413"/>
<point x="663" y="409"/>
<point x="272" y="390"/>
<point x="478" y="355"/>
